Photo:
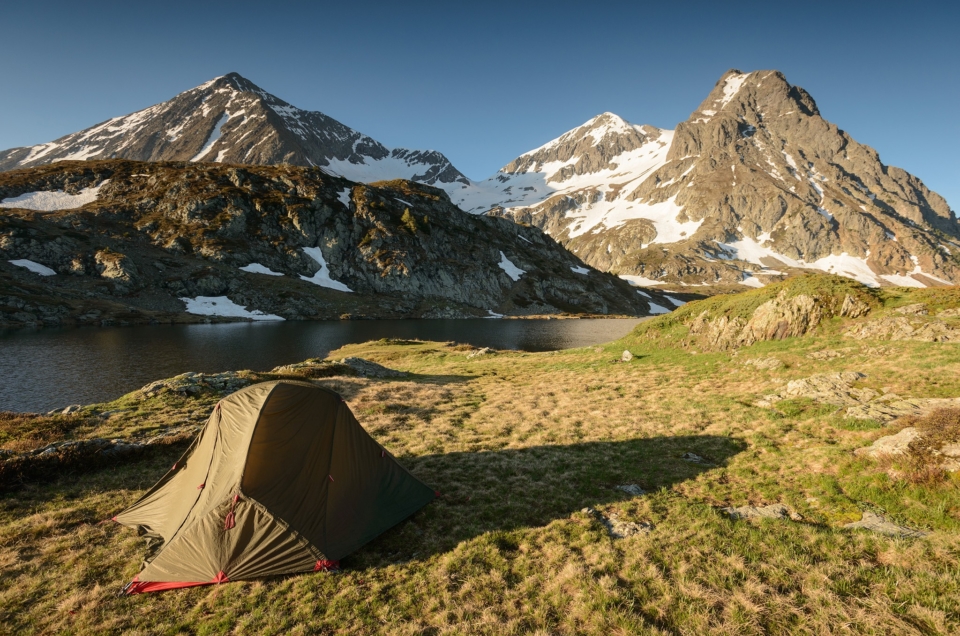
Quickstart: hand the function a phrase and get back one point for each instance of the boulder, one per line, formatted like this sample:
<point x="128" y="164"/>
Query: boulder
<point x="772" y="511"/>
<point x="618" y="528"/>
<point x="877" y="523"/>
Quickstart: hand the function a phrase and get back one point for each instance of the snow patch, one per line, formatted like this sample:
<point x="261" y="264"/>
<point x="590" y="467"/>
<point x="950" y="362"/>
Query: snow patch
<point x="214" y="136"/>
<point x="52" y="201"/>
<point x="322" y="277"/>
<point x="676" y="301"/>
<point x="638" y="281"/>
<point x="512" y="270"/>
<point x="656" y="309"/>
<point x="257" y="268"/>
<point x="580" y="270"/>
<point x="223" y="306"/>
<point x="344" y="197"/>
<point x="493" y="314"/>
<point x="731" y="86"/>
<point x="36" y="268"/>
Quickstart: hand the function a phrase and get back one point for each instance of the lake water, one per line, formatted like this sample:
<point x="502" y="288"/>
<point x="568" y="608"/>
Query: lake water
<point x="45" y="369"/>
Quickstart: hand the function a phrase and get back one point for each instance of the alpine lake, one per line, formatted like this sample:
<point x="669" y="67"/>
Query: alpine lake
<point x="52" y="368"/>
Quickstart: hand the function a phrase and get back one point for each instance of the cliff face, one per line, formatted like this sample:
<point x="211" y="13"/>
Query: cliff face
<point x="284" y="241"/>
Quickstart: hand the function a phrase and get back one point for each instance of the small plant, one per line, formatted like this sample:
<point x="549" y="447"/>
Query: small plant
<point x="409" y="221"/>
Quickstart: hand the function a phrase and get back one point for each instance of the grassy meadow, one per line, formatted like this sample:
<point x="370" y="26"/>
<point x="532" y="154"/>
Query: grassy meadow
<point x="518" y="444"/>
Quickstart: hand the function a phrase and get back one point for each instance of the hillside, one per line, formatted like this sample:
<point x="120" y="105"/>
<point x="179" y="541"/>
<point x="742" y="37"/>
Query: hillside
<point x="123" y="241"/>
<point x="799" y="484"/>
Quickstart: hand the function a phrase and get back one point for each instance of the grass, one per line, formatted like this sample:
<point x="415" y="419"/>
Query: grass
<point x="518" y="443"/>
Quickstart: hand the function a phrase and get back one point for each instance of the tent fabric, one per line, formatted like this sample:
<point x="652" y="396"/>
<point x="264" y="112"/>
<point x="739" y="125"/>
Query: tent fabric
<point x="281" y="479"/>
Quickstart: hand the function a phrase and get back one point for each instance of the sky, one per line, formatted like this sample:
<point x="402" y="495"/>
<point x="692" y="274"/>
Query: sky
<point x="484" y="82"/>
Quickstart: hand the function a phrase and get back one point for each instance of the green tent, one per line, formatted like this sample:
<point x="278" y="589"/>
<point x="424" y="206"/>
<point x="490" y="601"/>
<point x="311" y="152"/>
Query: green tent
<point x="281" y="479"/>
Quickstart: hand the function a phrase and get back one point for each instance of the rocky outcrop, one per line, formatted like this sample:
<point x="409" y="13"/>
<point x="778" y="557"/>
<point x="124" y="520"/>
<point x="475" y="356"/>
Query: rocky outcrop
<point x="772" y="511"/>
<point x="783" y="316"/>
<point x="878" y="523"/>
<point x="191" y="383"/>
<point x="857" y="403"/>
<point x="930" y="440"/>
<point x="51" y="461"/>
<point x="289" y="242"/>
<point x="904" y="328"/>
<point x="617" y="527"/>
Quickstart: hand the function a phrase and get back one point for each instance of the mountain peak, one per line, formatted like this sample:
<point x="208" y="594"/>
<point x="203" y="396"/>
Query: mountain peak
<point x="229" y="119"/>
<point x="764" y="91"/>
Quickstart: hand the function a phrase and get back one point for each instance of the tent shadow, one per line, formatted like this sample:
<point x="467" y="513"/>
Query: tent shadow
<point x="509" y="489"/>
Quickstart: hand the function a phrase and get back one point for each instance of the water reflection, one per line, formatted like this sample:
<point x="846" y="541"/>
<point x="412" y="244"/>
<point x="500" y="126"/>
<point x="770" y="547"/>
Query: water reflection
<point x="49" y="368"/>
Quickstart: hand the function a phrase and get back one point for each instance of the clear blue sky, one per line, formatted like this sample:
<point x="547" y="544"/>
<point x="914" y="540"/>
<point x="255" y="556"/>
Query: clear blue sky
<point x="486" y="81"/>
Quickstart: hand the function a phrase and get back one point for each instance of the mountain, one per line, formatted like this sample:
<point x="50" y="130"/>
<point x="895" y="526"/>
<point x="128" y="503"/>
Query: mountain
<point x="130" y="241"/>
<point x="231" y="120"/>
<point x="753" y="185"/>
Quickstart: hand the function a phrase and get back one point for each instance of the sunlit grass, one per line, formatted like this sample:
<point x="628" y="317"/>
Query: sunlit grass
<point x="518" y="444"/>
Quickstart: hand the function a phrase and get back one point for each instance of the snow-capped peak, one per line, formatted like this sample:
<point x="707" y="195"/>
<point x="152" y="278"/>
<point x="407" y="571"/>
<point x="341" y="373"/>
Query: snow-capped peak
<point x="229" y="119"/>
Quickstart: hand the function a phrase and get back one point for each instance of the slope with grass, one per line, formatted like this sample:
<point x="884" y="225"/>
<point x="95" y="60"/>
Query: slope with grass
<point x="519" y="444"/>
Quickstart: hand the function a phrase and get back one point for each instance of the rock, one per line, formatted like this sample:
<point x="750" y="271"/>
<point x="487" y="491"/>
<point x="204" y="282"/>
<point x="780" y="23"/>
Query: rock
<point x="616" y="527"/>
<point x="891" y="406"/>
<point x="694" y="459"/>
<point x="877" y="523"/>
<point x="824" y="354"/>
<point x="903" y="328"/>
<point x="953" y="312"/>
<point x="916" y="309"/>
<point x="831" y="388"/>
<point x="108" y="414"/>
<point x="865" y="404"/>
<point x="73" y="408"/>
<point x="369" y="369"/>
<point x="632" y="489"/>
<point x="778" y="318"/>
<point x="81" y="454"/>
<point x="853" y="307"/>
<point x="772" y="511"/>
<point x="890" y="444"/>
<point x="764" y="363"/>
<point x="314" y="368"/>
<point x="947" y="456"/>
<point x="191" y="383"/>
<point x="626" y="357"/>
<point x="480" y="352"/>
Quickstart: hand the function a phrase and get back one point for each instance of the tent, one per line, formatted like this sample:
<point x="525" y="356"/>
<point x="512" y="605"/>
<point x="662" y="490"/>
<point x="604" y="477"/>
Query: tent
<point x="281" y="479"/>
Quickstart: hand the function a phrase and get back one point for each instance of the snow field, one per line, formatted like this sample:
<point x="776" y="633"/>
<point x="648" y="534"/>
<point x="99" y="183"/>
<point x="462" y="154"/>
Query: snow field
<point x="51" y="201"/>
